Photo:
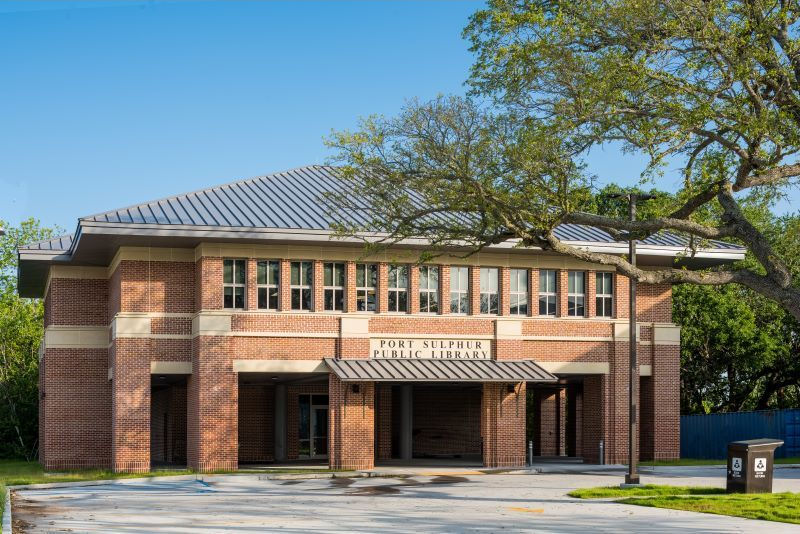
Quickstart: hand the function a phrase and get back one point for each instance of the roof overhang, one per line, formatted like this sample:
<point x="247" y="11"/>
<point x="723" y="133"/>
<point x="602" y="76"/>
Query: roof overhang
<point x="434" y="370"/>
<point x="96" y="243"/>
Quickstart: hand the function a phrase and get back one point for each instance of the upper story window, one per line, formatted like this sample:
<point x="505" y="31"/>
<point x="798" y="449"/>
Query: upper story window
<point x="333" y="286"/>
<point x="429" y="289"/>
<point x="459" y="290"/>
<point x="267" y="280"/>
<point x="301" y="284"/>
<point x="518" y="295"/>
<point x="489" y="290"/>
<point x="366" y="281"/>
<point x="604" y="294"/>
<point x="548" y="297"/>
<point x="576" y="293"/>
<point x="398" y="288"/>
<point x="233" y="283"/>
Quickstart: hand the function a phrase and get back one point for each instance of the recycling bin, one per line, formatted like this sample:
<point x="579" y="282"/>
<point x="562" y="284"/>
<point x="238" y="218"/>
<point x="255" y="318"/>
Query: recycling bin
<point x="750" y="465"/>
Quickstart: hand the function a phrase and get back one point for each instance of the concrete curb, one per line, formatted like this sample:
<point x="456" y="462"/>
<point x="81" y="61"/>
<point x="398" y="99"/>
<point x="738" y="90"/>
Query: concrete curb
<point x="7" y="523"/>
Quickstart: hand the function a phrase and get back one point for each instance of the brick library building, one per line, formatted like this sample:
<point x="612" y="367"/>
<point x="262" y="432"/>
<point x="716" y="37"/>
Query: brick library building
<point x="226" y="327"/>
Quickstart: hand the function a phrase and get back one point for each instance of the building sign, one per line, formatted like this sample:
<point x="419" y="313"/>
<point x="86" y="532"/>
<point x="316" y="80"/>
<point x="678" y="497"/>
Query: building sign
<point x="433" y="349"/>
<point x="760" y="467"/>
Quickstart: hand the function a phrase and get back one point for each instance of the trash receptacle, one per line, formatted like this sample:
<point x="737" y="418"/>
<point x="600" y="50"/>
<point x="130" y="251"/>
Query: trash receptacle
<point x="750" y="465"/>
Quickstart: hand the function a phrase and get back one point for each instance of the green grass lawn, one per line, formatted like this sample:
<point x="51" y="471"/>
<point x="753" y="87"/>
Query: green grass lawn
<point x="782" y="507"/>
<point x="19" y="472"/>
<point x="698" y="461"/>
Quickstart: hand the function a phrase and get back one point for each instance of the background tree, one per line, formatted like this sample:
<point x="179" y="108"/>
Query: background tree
<point x="710" y="86"/>
<point x="21" y="330"/>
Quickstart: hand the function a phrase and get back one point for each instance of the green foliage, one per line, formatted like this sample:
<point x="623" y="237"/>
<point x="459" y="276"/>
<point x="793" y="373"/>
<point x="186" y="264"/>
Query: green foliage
<point x="21" y="330"/>
<point x="646" y="490"/>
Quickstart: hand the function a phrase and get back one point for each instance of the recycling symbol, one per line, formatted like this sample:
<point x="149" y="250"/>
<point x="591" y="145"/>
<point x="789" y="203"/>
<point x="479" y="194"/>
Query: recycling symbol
<point x="736" y="464"/>
<point x="760" y="465"/>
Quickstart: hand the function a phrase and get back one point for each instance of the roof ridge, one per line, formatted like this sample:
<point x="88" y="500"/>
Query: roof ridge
<point x="202" y="189"/>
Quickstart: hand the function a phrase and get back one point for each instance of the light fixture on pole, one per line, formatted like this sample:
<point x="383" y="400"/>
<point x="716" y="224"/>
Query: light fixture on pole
<point x="632" y="477"/>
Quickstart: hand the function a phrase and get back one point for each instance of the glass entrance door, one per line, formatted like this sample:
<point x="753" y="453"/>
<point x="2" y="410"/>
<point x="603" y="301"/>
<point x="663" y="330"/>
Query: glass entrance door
<point x="313" y="422"/>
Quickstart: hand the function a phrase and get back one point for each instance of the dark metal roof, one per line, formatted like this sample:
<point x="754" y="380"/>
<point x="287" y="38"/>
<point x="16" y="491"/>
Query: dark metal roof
<point x="408" y="370"/>
<point x="60" y="243"/>
<point x="293" y="200"/>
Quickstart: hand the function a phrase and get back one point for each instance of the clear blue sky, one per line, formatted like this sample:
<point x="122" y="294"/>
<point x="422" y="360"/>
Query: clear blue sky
<point x="106" y="104"/>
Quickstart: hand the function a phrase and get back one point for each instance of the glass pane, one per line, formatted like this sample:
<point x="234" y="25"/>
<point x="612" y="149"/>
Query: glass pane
<point x="296" y="299"/>
<point x="423" y="278"/>
<point x="488" y="280"/>
<point x="360" y="275"/>
<point x="580" y="308"/>
<point x="484" y="303"/>
<point x="295" y="273"/>
<point x="402" y="276"/>
<point x="392" y="300"/>
<point x="227" y="300"/>
<point x="402" y="304"/>
<point x="513" y="281"/>
<point x="274" y="272"/>
<point x="262" y="298"/>
<point x="338" y="274"/>
<point x="372" y="275"/>
<point x="571" y="282"/>
<point x="328" y="274"/>
<point x="493" y="304"/>
<point x="320" y="446"/>
<point x="361" y="300"/>
<point x="308" y="273"/>
<point x="261" y="272"/>
<point x="393" y="272"/>
<point x="454" y="303"/>
<point x="320" y="400"/>
<point x="238" y="297"/>
<point x="433" y="277"/>
<point x="273" y="298"/>
<point x="304" y="423"/>
<point x="543" y="306"/>
<point x="320" y="426"/>
<point x="463" y="276"/>
<point x="306" y="299"/>
<point x="433" y="302"/>
<point x="328" y="299"/>
<point x="371" y="300"/>
<point x="227" y="272"/>
<point x="580" y="282"/>
<point x="338" y="299"/>
<point x="239" y="264"/>
<point x="463" y="303"/>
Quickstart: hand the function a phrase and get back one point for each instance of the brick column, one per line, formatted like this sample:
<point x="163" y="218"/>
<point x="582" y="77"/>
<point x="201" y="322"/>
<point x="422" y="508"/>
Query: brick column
<point x="666" y="396"/>
<point x="594" y="413"/>
<point x="444" y="289"/>
<point x="563" y="286"/>
<point x="317" y="302"/>
<point x="352" y="424"/>
<point x="591" y="294"/>
<point x="284" y="291"/>
<point x="621" y="296"/>
<point x="251" y="274"/>
<point x="474" y="290"/>
<point x="383" y="421"/>
<point x="413" y="288"/>
<point x="618" y="402"/>
<point x="503" y="424"/>
<point x="212" y="404"/>
<point x="383" y="287"/>
<point x="504" y="280"/>
<point x="130" y="406"/>
<point x="350" y="286"/>
<point x="533" y="291"/>
<point x="546" y="420"/>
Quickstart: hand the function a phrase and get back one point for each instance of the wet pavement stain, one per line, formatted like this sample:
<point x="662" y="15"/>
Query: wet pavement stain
<point x="342" y="482"/>
<point x="447" y="479"/>
<point x="369" y="491"/>
<point x="291" y="482"/>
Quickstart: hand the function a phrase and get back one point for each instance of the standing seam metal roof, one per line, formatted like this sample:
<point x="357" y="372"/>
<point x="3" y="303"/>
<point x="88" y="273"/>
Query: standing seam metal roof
<point x="422" y="370"/>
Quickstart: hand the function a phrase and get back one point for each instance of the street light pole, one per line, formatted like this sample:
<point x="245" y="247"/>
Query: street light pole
<point x="632" y="477"/>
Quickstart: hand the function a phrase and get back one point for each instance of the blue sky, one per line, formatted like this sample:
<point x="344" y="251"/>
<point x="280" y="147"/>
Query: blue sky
<point x="107" y="104"/>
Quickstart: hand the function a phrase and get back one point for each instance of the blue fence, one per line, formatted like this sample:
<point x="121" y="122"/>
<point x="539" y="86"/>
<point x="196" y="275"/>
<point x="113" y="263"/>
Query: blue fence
<point x="707" y="436"/>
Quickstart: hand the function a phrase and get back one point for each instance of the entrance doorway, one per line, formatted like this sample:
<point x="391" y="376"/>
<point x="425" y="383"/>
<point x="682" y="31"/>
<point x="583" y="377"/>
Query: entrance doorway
<point x="313" y="426"/>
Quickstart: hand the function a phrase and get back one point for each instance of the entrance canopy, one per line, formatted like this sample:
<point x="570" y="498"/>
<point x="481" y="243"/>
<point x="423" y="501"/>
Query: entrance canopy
<point x="429" y="370"/>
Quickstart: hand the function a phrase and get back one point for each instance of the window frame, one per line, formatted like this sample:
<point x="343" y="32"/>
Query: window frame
<point x="301" y="287"/>
<point x="513" y="276"/>
<point x="487" y="309"/>
<point x="604" y="297"/>
<point x="365" y="290"/>
<point x="573" y="297"/>
<point x="461" y="292"/>
<point x="333" y="289"/>
<point x="234" y="285"/>
<point x="276" y="284"/>
<point x="396" y="291"/>
<point x="548" y="295"/>
<point x="427" y="291"/>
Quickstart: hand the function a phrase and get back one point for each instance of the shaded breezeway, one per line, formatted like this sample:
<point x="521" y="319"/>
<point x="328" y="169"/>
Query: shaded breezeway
<point x="445" y="501"/>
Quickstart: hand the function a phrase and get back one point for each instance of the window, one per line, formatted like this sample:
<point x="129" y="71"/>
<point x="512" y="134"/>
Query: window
<point x="429" y="289"/>
<point x="605" y="294"/>
<point x="547" y="292"/>
<point x="459" y="290"/>
<point x="333" y="286"/>
<point x="267" y="276"/>
<point x="366" y="280"/>
<point x="519" y="292"/>
<point x="489" y="300"/>
<point x="576" y="294"/>
<point x="302" y="278"/>
<point x="398" y="288"/>
<point x="233" y="283"/>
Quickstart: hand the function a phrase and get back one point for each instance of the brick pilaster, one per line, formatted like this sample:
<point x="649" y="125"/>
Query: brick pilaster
<point x="317" y="302"/>
<point x="621" y="296"/>
<point x="383" y="287"/>
<point x="208" y="283"/>
<point x="533" y="292"/>
<point x="591" y="294"/>
<point x="413" y="288"/>
<point x="444" y="289"/>
<point x="284" y="290"/>
<point x="474" y="290"/>
<point x="251" y="291"/>
<point x="352" y="424"/>
<point x="562" y="285"/>
<point x="503" y="424"/>
<point x="130" y="406"/>
<point x="350" y="286"/>
<point x="504" y="280"/>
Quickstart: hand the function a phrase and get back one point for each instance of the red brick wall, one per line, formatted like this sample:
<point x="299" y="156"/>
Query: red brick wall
<point x="130" y="405"/>
<point x="446" y="420"/>
<point x="654" y="303"/>
<point x="256" y="417"/>
<point x="383" y="421"/>
<point x="208" y="283"/>
<point x="76" y="302"/>
<point x="594" y="412"/>
<point x="161" y="286"/>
